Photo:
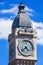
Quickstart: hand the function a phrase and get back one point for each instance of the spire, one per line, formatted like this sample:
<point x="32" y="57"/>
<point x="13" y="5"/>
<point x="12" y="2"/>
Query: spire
<point x="21" y="7"/>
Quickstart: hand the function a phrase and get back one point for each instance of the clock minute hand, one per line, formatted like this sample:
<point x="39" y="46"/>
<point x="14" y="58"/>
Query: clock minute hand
<point x="22" y="49"/>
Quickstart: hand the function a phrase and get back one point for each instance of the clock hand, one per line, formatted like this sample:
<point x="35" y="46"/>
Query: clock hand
<point x="22" y="49"/>
<point x="26" y="48"/>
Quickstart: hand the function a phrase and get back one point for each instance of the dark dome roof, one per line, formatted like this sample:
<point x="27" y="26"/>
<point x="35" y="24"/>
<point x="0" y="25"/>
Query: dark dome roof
<point x="22" y="19"/>
<point x="15" y="22"/>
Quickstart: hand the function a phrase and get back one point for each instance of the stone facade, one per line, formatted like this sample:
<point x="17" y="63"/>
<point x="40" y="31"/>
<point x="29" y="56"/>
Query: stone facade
<point x="22" y="33"/>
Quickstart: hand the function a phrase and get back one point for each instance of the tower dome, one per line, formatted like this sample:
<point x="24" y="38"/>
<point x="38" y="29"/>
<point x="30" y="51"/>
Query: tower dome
<point x="22" y="19"/>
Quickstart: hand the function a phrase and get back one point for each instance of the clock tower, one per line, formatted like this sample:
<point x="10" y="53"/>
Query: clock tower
<point x="22" y="40"/>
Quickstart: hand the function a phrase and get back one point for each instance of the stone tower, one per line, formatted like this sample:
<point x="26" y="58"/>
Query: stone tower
<point x="22" y="40"/>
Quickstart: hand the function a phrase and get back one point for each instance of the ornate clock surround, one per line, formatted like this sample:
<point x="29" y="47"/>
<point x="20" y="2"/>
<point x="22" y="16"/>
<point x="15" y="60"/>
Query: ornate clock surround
<point x="28" y="52"/>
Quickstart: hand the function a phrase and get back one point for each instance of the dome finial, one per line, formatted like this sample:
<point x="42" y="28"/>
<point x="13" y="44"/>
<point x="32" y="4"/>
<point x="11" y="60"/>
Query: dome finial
<point x="21" y="7"/>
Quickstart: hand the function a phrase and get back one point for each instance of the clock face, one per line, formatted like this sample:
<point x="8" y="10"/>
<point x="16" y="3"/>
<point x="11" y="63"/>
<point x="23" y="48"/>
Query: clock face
<point x="25" y="47"/>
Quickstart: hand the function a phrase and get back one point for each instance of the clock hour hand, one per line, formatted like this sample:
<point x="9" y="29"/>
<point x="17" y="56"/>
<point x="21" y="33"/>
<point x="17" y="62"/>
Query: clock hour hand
<point x="25" y="48"/>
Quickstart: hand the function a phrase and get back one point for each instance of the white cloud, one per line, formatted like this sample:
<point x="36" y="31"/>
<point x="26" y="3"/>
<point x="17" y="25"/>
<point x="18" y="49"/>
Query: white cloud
<point x="14" y="10"/>
<point x="39" y="28"/>
<point x="29" y="9"/>
<point x="5" y="29"/>
<point x="30" y="14"/>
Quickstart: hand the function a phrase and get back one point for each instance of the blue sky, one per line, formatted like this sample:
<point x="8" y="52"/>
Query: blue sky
<point x="8" y="11"/>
